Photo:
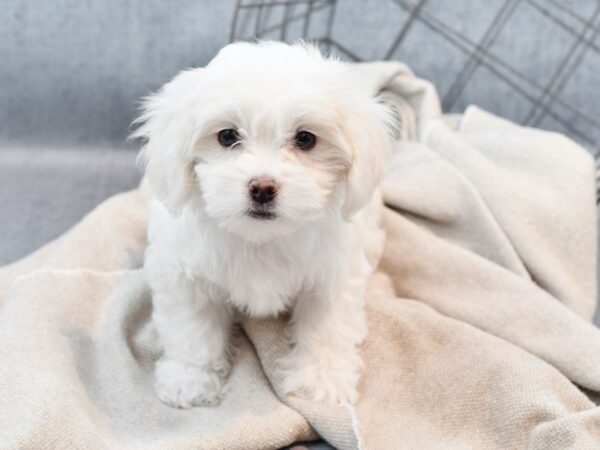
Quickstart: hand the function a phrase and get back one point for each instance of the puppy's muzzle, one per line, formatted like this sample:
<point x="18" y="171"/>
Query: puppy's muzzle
<point x="263" y="190"/>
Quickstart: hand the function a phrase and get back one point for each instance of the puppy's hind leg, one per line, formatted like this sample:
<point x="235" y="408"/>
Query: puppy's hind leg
<point x="194" y="330"/>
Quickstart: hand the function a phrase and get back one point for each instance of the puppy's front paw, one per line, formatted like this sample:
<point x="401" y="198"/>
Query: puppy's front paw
<point x="182" y="385"/>
<point x="330" y="380"/>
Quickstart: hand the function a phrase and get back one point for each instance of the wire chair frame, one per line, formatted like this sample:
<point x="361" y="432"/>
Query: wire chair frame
<point x="284" y="20"/>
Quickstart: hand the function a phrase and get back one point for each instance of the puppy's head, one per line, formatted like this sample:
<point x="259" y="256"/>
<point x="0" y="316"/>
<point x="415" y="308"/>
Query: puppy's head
<point x="264" y="139"/>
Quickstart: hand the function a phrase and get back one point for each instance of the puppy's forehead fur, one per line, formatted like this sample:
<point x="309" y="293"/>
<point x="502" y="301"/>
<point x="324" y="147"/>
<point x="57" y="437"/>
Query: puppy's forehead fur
<point x="290" y="83"/>
<point x="277" y="67"/>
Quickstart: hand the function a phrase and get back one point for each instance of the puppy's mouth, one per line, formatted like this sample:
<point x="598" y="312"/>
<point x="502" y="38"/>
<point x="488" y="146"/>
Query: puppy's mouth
<point x="261" y="214"/>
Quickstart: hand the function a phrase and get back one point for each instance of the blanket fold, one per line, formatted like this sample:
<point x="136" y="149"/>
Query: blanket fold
<point x="479" y="314"/>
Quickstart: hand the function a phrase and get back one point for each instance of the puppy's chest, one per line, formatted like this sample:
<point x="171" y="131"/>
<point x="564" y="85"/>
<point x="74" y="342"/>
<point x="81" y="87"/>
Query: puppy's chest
<point x="260" y="283"/>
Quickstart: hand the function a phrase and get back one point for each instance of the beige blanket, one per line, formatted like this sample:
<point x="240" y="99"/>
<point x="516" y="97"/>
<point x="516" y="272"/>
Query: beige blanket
<point x="479" y="317"/>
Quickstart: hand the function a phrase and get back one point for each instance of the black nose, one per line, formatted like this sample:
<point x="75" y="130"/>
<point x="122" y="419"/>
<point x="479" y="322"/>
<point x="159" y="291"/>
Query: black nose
<point x="263" y="190"/>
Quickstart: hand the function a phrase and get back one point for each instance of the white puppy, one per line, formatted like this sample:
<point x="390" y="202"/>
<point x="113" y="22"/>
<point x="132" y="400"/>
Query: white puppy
<point x="265" y="164"/>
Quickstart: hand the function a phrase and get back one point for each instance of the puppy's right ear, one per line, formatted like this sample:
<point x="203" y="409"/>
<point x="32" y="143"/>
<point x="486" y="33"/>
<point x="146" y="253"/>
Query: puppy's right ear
<point x="167" y="126"/>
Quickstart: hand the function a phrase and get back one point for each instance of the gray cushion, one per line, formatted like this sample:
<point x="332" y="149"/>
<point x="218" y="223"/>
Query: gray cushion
<point x="43" y="192"/>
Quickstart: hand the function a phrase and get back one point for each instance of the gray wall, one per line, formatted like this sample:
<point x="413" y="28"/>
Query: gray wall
<point x="72" y="70"/>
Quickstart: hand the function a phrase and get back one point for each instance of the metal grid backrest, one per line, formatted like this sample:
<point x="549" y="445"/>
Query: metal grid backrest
<point x="284" y="20"/>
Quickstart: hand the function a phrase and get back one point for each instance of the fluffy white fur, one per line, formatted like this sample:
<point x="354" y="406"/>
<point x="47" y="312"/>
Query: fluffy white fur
<point x="209" y="260"/>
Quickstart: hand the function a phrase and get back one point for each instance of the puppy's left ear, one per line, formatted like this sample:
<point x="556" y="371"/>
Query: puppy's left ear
<point x="370" y="135"/>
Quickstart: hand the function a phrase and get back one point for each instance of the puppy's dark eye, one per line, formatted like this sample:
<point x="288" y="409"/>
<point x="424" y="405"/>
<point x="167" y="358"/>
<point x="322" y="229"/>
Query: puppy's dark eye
<point x="228" y="137"/>
<point x="305" y="140"/>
